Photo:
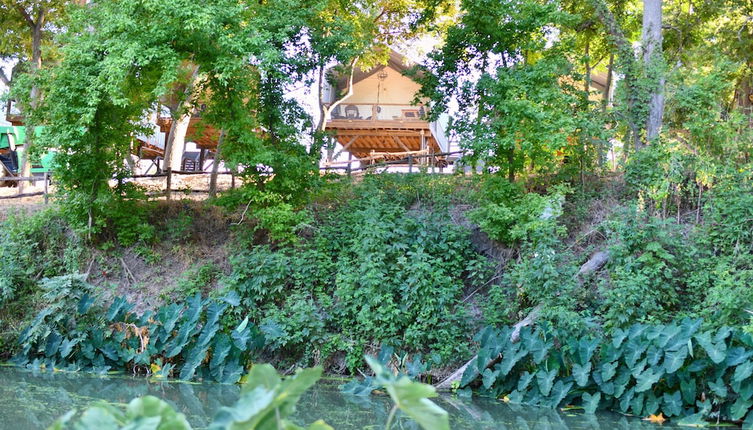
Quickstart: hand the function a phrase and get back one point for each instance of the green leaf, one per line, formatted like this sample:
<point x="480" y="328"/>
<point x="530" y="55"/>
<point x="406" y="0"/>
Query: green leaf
<point x="634" y="349"/>
<point x="591" y="402"/>
<point x="717" y="352"/>
<point x="688" y="388"/>
<point x="672" y="404"/>
<point x="537" y="348"/>
<point x="162" y="413"/>
<point x="718" y="387"/>
<point x="739" y="409"/>
<point x="608" y="370"/>
<point x="737" y="355"/>
<point x="545" y="380"/>
<point x="647" y="379"/>
<point x="524" y="380"/>
<point x="581" y="374"/>
<point x="489" y="377"/>
<point x="674" y="360"/>
<point x="743" y="371"/>
<point x="585" y="351"/>
<point x="559" y="391"/>
<point x="413" y="399"/>
<point x="511" y="358"/>
<point x="695" y="420"/>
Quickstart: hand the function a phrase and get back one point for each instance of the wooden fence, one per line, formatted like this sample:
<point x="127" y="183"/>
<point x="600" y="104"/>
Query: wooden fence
<point x="167" y="174"/>
<point x="433" y="162"/>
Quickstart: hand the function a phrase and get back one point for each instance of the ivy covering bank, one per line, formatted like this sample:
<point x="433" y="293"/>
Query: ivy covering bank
<point x="676" y="369"/>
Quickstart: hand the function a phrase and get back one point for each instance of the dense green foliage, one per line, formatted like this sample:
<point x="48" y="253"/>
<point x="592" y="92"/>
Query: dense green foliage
<point x="32" y="247"/>
<point x="678" y="369"/>
<point x="387" y="266"/>
<point x="76" y="331"/>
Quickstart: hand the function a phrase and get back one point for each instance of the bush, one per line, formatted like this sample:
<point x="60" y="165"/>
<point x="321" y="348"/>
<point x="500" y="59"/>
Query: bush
<point x="648" y="258"/>
<point x="511" y="216"/>
<point x="34" y="246"/>
<point x="379" y="268"/>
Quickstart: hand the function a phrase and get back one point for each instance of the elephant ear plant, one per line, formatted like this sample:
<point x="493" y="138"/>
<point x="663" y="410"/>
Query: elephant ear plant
<point x="412" y="398"/>
<point x="678" y="370"/>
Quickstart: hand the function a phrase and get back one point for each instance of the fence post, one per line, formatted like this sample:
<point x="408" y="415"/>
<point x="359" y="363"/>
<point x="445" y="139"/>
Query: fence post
<point x="410" y="163"/>
<point x="169" y="184"/>
<point x="46" y="181"/>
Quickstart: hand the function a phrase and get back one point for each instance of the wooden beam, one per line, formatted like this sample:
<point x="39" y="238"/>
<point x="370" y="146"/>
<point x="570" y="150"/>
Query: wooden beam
<point x="400" y="142"/>
<point x="345" y="147"/>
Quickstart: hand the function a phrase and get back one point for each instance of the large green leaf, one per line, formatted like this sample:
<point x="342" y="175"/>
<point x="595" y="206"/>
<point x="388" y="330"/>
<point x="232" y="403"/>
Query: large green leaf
<point x="162" y="414"/>
<point x="524" y="380"/>
<point x="591" y="402"/>
<point x="672" y="404"/>
<point x="695" y="420"/>
<point x="545" y="380"/>
<point x="718" y="387"/>
<point x="413" y="399"/>
<point x="647" y="379"/>
<point x="674" y="360"/>
<point x="559" y="391"/>
<point x="581" y="374"/>
<point x="717" y="351"/>
<point x="743" y="371"/>
<point x="739" y="409"/>
<point x="608" y="370"/>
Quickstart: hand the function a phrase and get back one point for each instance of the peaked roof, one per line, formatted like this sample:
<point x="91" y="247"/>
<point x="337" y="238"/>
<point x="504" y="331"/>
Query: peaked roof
<point x="396" y="60"/>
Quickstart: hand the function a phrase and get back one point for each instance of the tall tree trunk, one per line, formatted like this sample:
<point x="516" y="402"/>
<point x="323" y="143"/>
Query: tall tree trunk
<point x="654" y="64"/>
<point x="324" y="110"/>
<point x="216" y="166"/>
<point x="179" y="127"/>
<point x="606" y="98"/>
<point x="744" y="95"/>
<point x="36" y="26"/>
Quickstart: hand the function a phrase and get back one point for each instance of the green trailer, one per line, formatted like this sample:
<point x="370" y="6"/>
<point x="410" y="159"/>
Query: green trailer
<point x="11" y="152"/>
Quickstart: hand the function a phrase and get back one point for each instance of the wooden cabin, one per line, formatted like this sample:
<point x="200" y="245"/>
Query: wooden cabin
<point x="379" y="119"/>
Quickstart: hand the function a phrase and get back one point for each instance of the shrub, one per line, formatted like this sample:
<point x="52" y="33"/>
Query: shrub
<point x="379" y="268"/>
<point x="648" y="258"/>
<point x="34" y="246"/>
<point x="511" y="216"/>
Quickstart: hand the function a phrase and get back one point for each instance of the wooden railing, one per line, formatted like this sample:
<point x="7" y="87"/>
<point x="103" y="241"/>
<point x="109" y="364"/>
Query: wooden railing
<point x="379" y="112"/>
<point x="433" y="163"/>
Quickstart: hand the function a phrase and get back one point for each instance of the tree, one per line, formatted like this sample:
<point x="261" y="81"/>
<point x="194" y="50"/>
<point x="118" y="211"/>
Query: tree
<point x="27" y="26"/>
<point x="654" y="64"/>
<point x="507" y="65"/>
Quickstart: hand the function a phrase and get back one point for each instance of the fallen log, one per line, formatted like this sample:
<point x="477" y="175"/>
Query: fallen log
<point x="457" y="375"/>
<point x="596" y="262"/>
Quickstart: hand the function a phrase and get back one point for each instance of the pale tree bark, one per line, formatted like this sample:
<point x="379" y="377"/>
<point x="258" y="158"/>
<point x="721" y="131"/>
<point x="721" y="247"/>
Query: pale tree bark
<point x="326" y="111"/>
<point x="35" y="24"/>
<point x="654" y="64"/>
<point x="176" y="137"/>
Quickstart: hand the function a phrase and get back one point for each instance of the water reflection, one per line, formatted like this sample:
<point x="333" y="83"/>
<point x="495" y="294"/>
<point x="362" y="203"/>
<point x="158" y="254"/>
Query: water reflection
<point x="33" y="400"/>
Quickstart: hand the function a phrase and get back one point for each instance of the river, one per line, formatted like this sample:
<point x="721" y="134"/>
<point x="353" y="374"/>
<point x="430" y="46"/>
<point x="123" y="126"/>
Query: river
<point x="33" y="400"/>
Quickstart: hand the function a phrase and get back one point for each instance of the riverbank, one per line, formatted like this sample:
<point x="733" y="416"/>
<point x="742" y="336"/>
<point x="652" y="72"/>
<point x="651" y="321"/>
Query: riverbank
<point x="408" y="266"/>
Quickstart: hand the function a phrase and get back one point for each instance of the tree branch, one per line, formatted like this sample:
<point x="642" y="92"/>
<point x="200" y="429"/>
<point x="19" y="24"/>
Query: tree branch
<point x="26" y="16"/>
<point x="4" y="77"/>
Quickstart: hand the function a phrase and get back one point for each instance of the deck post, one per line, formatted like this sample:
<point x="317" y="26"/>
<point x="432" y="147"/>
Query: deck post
<point x="169" y="172"/>
<point x="410" y="163"/>
<point x="46" y="181"/>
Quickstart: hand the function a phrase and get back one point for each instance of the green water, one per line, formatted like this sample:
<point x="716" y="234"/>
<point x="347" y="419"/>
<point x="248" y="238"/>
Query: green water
<point x="32" y="400"/>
